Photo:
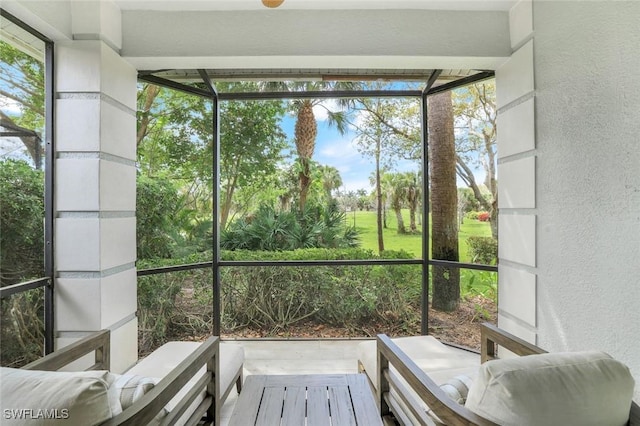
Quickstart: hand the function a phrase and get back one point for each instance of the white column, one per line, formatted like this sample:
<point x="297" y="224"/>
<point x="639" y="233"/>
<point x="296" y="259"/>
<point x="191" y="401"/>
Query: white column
<point x="517" y="175"/>
<point x="95" y="192"/>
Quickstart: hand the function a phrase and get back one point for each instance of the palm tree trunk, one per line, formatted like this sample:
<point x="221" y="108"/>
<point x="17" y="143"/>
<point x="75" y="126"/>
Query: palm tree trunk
<point x="401" y="228"/>
<point x="379" y="200"/>
<point x="444" y="201"/>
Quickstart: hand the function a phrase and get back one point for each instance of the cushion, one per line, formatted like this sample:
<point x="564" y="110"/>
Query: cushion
<point x="164" y="359"/>
<point x="129" y="388"/>
<point x="49" y="397"/>
<point x="457" y="388"/>
<point x="439" y="361"/>
<point x="570" y="388"/>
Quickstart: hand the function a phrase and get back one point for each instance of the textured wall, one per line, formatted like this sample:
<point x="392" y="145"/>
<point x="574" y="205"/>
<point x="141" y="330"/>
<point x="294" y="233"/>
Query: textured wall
<point x="587" y="63"/>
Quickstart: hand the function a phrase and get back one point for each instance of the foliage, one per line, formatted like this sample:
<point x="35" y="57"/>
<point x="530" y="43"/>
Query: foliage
<point x="21" y="222"/>
<point x="479" y="283"/>
<point x="22" y="332"/>
<point x="157" y="204"/>
<point x="483" y="250"/>
<point x="158" y="314"/>
<point x="483" y="216"/>
<point x="251" y="147"/>
<point x="22" y="84"/>
<point x="316" y="226"/>
<point x="476" y="143"/>
<point x="272" y="297"/>
<point x="473" y="215"/>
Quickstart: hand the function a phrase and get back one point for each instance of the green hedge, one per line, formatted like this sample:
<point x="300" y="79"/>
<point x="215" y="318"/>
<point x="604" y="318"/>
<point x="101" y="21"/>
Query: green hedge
<point x="271" y="298"/>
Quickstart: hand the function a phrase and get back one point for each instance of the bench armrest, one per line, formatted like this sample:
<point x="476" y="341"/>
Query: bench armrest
<point x="449" y="411"/>
<point x="491" y="336"/>
<point x="98" y="342"/>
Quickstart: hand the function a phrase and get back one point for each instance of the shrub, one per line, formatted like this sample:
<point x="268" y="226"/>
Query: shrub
<point x="314" y="227"/>
<point x="275" y="297"/>
<point x="483" y="250"/>
<point x="156" y="207"/>
<point x="272" y="298"/>
<point x="21" y="222"/>
<point x="472" y="215"/>
<point x="484" y="216"/>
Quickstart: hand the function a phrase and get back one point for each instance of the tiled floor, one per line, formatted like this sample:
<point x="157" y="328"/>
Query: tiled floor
<point x="294" y="357"/>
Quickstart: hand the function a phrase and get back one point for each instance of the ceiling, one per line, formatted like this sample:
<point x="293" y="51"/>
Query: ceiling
<point x="187" y="5"/>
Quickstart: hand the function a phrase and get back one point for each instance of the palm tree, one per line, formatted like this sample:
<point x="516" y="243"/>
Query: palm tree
<point x="306" y="128"/>
<point x="396" y="186"/>
<point x="414" y="195"/>
<point x="444" y="201"/>
<point x="331" y="179"/>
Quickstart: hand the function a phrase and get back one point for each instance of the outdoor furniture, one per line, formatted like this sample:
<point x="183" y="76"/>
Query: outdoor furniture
<point x="587" y="388"/>
<point x="179" y="383"/>
<point x="320" y="399"/>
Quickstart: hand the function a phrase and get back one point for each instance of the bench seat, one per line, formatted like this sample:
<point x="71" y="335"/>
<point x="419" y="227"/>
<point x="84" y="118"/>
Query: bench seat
<point x="179" y="383"/>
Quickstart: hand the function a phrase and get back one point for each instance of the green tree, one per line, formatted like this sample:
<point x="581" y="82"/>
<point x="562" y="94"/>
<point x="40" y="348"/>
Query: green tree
<point x="157" y="204"/>
<point x="331" y="179"/>
<point x="444" y="203"/>
<point x="396" y="186"/>
<point x="251" y="147"/>
<point x="21" y="222"/>
<point x="476" y="112"/>
<point x="22" y="84"/>
<point x="306" y="127"/>
<point x="413" y="197"/>
<point x="174" y="131"/>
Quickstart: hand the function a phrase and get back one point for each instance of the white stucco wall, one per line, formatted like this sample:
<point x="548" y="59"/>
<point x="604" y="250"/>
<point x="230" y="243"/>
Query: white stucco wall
<point x="587" y="78"/>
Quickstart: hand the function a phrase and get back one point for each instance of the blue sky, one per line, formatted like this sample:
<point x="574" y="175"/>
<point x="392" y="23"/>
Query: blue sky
<point x="340" y="151"/>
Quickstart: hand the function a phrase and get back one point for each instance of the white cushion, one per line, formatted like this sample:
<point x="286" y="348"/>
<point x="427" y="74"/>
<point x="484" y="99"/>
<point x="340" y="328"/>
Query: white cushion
<point x="457" y="388"/>
<point x="439" y="361"/>
<point x="130" y="387"/>
<point x="80" y="397"/>
<point x="570" y="388"/>
<point x="164" y="359"/>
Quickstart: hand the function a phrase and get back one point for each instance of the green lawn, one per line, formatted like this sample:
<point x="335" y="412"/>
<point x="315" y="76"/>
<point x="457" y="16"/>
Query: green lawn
<point x="366" y="225"/>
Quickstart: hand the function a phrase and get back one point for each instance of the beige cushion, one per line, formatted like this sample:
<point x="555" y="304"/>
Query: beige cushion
<point x="439" y="361"/>
<point x="571" y="388"/>
<point x="164" y="359"/>
<point x="130" y="388"/>
<point x="49" y="397"/>
<point x="457" y="388"/>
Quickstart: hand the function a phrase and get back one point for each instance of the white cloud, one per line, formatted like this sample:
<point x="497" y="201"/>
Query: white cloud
<point x="10" y="107"/>
<point x="320" y="110"/>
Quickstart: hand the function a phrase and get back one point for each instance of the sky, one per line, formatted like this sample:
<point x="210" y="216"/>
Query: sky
<point x="341" y="152"/>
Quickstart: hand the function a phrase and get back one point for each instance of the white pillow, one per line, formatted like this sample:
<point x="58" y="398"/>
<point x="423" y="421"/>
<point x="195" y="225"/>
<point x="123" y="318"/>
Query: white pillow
<point x="38" y="397"/>
<point x="571" y="388"/>
<point x="457" y="388"/>
<point x="130" y="387"/>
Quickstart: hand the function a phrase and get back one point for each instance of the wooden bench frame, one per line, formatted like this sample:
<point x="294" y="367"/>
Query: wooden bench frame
<point x="450" y="412"/>
<point x="148" y="406"/>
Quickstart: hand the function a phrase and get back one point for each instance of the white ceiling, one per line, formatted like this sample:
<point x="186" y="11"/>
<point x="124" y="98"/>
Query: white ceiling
<point x="184" y="5"/>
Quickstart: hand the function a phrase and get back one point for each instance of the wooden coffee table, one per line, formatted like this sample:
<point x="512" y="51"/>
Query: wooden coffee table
<point x="320" y="399"/>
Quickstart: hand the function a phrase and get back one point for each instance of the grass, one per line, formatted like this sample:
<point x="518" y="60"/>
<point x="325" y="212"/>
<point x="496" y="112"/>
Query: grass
<point x="366" y="225"/>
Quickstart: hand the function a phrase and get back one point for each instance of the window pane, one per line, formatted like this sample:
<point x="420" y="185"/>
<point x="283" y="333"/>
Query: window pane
<point x="22" y="328"/>
<point x="22" y="112"/>
<point x="323" y="174"/>
<point x="320" y="301"/>
<point x="478" y="303"/>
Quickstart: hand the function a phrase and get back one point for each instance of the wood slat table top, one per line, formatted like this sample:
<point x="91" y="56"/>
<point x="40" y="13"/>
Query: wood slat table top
<point x="321" y="399"/>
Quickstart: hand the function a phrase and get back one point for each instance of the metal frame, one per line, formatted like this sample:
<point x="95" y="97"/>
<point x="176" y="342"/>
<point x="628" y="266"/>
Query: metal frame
<point x="216" y="263"/>
<point x="49" y="267"/>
